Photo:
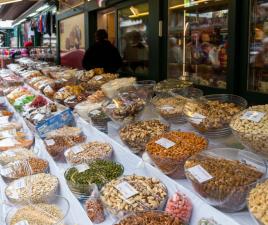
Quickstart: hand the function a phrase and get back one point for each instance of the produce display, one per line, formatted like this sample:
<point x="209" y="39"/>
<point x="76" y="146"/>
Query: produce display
<point x="136" y="135"/>
<point x="213" y="113"/>
<point x="149" y="218"/>
<point x="36" y="188"/>
<point x="257" y="202"/>
<point x="59" y="140"/>
<point x="15" y="154"/>
<point x="88" y="152"/>
<point x="81" y="177"/>
<point x="251" y="128"/>
<point x="170" y="150"/>
<point x="145" y="193"/>
<point x="22" y="168"/>
<point x="226" y="180"/>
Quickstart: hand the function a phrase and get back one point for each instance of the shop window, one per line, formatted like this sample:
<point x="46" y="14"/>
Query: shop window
<point x="133" y="38"/>
<point x="197" y="41"/>
<point x="258" y="50"/>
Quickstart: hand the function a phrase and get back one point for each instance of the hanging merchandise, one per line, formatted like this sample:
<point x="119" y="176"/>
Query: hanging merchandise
<point x="40" y="24"/>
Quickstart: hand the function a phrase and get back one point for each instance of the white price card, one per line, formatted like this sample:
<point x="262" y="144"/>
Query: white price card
<point x="8" y="142"/>
<point x="77" y="149"/>
<point x="253" y="116"/>
<point x="126" y="189"/>
<point x="38" y="117"/>
<point x="197" y="118"/>
<point x="200" y="174"/>
<point x="111" y="106"/>
<point x="165" y="143"/>
<point x="22" y="222"/>
<point x="19" y="184"/>
<point x="8" y="133"/>
<point x="99" y="77"/>
<point x="4" y="120"/>
<point x="9" y="153"/>
<point x="95" y="112"/>
<point x="50" y="142"/>
<point x="5" y="171"/>
<point x="81" y="168"/>
<point x="167" y="108"/>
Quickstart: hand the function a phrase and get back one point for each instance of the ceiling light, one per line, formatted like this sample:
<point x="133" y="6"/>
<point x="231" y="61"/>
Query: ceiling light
<point x="9" y="1"/>
<point x="134" y="10"/>
<point x="139" y="15"/>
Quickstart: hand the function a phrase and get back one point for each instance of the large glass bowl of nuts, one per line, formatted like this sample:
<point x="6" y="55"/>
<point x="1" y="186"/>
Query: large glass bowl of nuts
<point x="250" y="127"/>
<point x="50" y="212"/>
<point x="170" y="150"/>
<point x="211" y="114"/>
<point x="223" y="177"/>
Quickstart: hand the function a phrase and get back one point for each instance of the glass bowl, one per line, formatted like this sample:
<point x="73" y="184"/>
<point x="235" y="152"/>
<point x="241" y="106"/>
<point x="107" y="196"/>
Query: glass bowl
<point x="146" y="88"/>
<point x="170" y="151"/>
<point x="90" y="175"/>
<point x="170" y="84"/>
<point x="125" y="108"/>
<point x="136" y="135"/>
<point x="211" y="114"/>
<point x="223" y="177"/>
<point x="253" y="135"/>
<point x="41" y="212"/>
<point x="257" y="203"/>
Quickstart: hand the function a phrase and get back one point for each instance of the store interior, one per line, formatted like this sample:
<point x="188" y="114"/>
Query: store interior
<point x="145" y="112"/>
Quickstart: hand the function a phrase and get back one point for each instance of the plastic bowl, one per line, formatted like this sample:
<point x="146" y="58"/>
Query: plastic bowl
<point x="212" y="114"/>
<point x="253" y="135"/>
<point x="223" y="177"/>
<point x="59" y="201"/>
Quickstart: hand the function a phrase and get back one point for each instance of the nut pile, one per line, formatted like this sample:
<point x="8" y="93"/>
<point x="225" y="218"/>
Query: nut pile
<point x="35" y="188"/>
<point x="136" y="135"/>
<point x="180" y="207"/>
<point x="149" y="193"/>
<point x="86" y="153"/>
<point x="184" y="145"/>
<point x="150" y="218"/>
<point x="61" y="139"/>
<point x="210" y="115"/>
<point x="14" y="155"/>
<point x="257" y="202"/>
<point x="22" y="168"/>
<point x="253" y="134"/>
<point x="41" y="214"/>
<point x="230" y="183"/>
<point x="95" y="211"/>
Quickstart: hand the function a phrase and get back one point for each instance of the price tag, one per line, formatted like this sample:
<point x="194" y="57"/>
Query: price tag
<point x="167" y="108"/>
<point x="81" y="168"/>
<point x="197" y="118"/>
<point x="253" y="116"/>
<point x="98" y="77"/>
<point x="200" y="174"/>
<point x="77" y="149"/>
<point x="38" y="117"/>
<point x="4" y="120"/>
<point x="22" y="222"/>
<point x="8" y="142"/>
<point x="6" y="171"/>
<point x="50" y="142"/>
<point x="126" y="189"/>
<point x="95" y="112"/>
<point x="9" y="153"/>
<point x="111" y="106"/>
<point x="8" y="133"/>
<point x="165" y="143"/>
<point x="19" y="184"/>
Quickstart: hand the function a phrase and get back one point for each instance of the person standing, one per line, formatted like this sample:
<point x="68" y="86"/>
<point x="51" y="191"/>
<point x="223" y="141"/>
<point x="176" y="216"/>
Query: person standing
<point x="102" y="54"/>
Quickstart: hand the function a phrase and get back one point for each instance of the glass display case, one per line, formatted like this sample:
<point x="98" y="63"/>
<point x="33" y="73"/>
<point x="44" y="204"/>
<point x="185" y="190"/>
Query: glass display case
<point x="258" y="49"/>
<point x="133" y="38"/>
<point x="198" y="41"/>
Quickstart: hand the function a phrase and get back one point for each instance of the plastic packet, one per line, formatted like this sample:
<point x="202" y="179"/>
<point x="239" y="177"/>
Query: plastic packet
<point x="99" y="119"/>
<point x="88" y="152"/>
<point x="25" y="167"/>
<point x="97" y="81"/>
<point x="22" y="101"/>
<point x="94" y="207"/>
<point x="59" y="140"/>
<point x="14" y="155"/>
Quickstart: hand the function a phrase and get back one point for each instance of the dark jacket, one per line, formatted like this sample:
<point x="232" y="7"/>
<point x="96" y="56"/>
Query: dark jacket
<point x="102" y="55"/>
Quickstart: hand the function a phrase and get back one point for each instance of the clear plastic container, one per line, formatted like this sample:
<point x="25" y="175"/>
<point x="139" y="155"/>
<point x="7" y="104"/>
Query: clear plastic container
<point x="250" y="132"/>
<point x="22" y="168"/>
<point x="170" y="151"/>
<point x="99" y="119"/>
<point x="212" y="114"/>
<point x="125" y="108"/>
<point x="223" y="177"/>
<point x="130" y="194"/>
<point x="51" y="212"/>
<point x="136" y="135"/>
<point x="170" y="84"/>
<point x="82" y="178"/>
<point x="146" y="88"/>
